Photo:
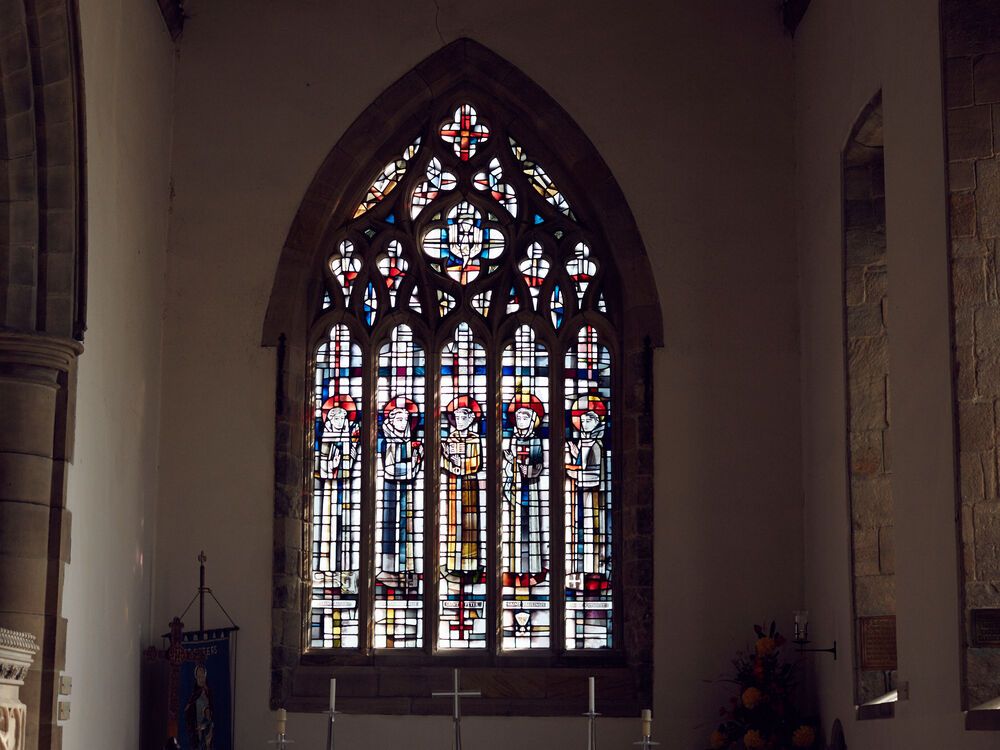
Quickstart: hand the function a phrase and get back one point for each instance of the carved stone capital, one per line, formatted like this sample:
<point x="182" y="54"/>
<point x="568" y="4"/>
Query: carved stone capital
<point x="17" y="651"/>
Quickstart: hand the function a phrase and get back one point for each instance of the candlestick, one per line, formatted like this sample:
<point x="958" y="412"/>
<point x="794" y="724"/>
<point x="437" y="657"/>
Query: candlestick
<point x="647" y="722"/>
<point x="333" y="694"/>
<point x="801" y="632"/>
<point x="282" y="720"/>
<point x="591" y="695"/>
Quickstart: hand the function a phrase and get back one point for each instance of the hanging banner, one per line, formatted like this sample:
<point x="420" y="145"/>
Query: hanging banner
<point x="205" y="695"/>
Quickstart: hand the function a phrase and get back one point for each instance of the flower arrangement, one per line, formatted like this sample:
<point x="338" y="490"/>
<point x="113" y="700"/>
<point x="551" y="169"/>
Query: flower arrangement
<point x="762" y="714"/>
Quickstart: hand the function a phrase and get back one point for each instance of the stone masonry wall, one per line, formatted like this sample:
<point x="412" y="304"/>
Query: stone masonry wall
<point x="866" y="334"/>
<point x="972" y="93"/>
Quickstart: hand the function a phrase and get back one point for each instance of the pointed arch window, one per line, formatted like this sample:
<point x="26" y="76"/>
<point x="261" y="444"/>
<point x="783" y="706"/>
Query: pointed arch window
<point x="476" y="387"/>
<point x="430" y="224"/>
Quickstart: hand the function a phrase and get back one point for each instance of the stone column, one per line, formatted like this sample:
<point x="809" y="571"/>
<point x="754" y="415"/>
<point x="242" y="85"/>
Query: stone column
<point x="37" y="379"/>
<point x="17" y="651"/>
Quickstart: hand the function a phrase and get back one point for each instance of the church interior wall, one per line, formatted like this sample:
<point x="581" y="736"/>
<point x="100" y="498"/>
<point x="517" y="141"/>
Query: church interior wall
<point x="128" y="62"/>
<point x="845" y="53"/>
<point x="691" y="106"/>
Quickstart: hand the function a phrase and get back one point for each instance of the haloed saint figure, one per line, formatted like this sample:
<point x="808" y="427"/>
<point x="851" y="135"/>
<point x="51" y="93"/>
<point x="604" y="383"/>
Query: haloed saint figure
<point x="198" y="712"/>
<point x="339" y="447"/>
<point x="523" y="465"/>
<point x="401" y="460"/>
<point x="461" y="457"/>
<point x="591" y="518"/>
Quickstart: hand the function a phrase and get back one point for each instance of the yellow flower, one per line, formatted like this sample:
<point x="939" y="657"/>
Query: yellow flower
<point x="766" y="646"/>
<point x="751" y="697"/>
<point x="753" y="740"/>
<point x="804" y="736"/>
<point x="718" y="740"/>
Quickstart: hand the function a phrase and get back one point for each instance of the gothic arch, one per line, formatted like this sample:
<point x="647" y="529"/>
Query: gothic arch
<point x="461" y="69"/>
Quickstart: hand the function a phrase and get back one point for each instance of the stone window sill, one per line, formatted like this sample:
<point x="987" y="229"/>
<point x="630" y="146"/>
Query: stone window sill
<point x="876" y="711"/>
<point x="982" y="719"/>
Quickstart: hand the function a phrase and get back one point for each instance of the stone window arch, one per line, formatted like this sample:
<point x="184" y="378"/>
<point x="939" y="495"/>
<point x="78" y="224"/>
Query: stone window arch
<point x="377" y="282"/>
<point x="866" y="336"/>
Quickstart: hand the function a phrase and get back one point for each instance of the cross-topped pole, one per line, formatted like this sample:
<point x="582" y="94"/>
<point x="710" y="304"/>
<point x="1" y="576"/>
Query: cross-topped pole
<point x="457" y="694"/>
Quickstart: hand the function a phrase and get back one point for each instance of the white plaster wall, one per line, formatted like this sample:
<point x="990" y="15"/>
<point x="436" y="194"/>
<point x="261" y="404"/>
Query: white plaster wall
<point x="128" y="62"/>
<point x="845" y="51"/>
<point x="691" y="106"/>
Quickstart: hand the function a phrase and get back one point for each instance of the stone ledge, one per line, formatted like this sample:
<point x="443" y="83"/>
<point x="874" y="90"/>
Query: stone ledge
<point x="982" y="720"/>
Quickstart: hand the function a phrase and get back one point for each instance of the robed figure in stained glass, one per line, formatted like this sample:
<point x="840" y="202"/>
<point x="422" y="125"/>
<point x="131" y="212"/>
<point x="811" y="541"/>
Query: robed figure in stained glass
<point x="462" y="455"/>
<point x="523" y="465"/>
<point x="590" y="530"/>
<point x="401" y="460"/>
<point x="339" y="448"/>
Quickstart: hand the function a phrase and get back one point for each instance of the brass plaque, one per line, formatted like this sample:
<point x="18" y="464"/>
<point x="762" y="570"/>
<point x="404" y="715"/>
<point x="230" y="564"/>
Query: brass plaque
<point x="878" y="643"/>
<point x="986" y="628"/>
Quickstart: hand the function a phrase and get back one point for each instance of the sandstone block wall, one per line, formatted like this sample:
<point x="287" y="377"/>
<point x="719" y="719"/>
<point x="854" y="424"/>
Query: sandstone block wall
<point x="972" y="94"/>
<point x="866" y="310"/>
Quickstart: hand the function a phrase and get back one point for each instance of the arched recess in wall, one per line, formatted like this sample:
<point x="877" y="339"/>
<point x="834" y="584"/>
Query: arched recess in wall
<point x="971" y="31"/>
<point x="462" y="71"/>
<point x="866" y="337"/>
<point x="42" y="280"/>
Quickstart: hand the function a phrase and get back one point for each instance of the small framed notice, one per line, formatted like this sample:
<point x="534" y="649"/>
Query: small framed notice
<point x="986" y="628"/>
<point x="877" y="636"/>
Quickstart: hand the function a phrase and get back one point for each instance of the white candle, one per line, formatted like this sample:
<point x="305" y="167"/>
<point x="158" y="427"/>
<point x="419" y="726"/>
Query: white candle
<point x="801" y="624"/>
<point x="647" y="722"/>
<point x="333" y="693"/>
<point x="591" y="695"/>
<point x="282" y="720"/>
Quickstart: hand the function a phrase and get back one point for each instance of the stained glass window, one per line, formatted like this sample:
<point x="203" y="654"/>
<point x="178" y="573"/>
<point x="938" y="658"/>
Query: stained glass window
<point x="463" y="242"/>
<point x="462" y="561"/>
<point x="557" y="308"/>
<point x="336" y="528"/>
<point x="399" y="492"/>
<point x="524" y="518"/>
<point x="345" y="266"/>
<point x="465" y="133"/>
<point x="481" y="302"/>
<point x="492" y="181"/>
<point x="581" y="268"/>
<point x="534" y="268"/>
<point x="437" y="182"/>
<point x="393" y="266"/>
<point x="541" y="181"/>
<point x="387" y="179"/>
<point x="435" y="517"/>
<point x="370" y="304"/>
<point x="587" y="394"/>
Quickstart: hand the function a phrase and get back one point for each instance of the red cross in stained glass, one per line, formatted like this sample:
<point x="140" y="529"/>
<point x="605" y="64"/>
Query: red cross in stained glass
<point x="465" y="133"/>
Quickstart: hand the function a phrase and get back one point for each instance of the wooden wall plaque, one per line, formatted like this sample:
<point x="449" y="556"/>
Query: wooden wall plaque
<point x="877" y="636"/>
<point x="986" y="628"/>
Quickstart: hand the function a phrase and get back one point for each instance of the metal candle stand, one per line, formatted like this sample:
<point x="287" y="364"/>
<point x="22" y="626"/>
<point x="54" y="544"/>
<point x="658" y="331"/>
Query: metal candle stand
<point x="329" y="732"/>
<point x="591" y="729"/>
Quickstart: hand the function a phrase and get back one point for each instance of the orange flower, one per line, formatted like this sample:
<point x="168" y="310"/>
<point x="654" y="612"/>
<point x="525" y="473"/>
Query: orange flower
<point x="804" y="736"/>
<point x="758" y="669"/>
<point x="766" y="646"/>
<point x="718" y="740"/>
<point x="751" y="697"/>
<point x="753" y="740"/>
